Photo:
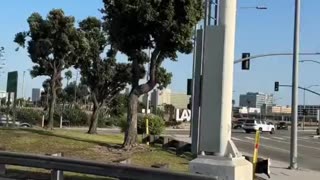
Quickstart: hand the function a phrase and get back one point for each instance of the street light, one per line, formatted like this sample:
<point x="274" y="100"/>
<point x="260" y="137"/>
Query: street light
<point x="295" y="86"/>
<point x="310" y="60"/>
<point x="255" y="7"/>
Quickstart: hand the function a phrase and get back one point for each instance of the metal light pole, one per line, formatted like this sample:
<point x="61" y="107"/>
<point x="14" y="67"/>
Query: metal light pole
<point x="24" y="73"/>
<point x="295" y="79"/>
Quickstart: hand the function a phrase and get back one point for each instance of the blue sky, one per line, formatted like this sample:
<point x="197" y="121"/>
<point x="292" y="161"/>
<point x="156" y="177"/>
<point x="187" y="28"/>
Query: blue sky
<point x="258" y="32"/>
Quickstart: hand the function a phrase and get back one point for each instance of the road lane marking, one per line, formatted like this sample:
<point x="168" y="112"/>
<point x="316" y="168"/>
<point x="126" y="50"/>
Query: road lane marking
<point x="264" y="137"/>
<point x="236" y="139"/>
<point x="279" y="138"/>
<point x="262" y="145"/>
<point x="250" y="138"/>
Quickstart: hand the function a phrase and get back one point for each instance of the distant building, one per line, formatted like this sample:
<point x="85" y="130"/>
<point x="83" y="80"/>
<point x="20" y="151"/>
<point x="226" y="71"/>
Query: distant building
<point x="3" y="94"/>
<point x="36" y="94"/>
<point x="278" y="110"/>
<point x="312" y="111"/>
<point x="180" y="100"/>
<point x="250" y="110"/>
<point x="160" y="97"/>
<point x="255" y="100"/>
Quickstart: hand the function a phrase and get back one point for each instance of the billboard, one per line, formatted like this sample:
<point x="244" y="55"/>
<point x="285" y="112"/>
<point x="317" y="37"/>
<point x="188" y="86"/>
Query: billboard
<point x="12" y="83"/>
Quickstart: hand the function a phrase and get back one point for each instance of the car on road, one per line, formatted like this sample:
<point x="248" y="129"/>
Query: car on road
<point x="253" y="125"/>
<point x="3" y="122"/>
<point x="282" y="125"/>
<point x="239" y="123"/>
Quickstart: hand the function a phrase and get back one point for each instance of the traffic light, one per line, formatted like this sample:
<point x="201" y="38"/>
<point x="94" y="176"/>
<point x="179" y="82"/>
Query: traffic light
<point x="276" y="86"/>
<point x="189" y="87"/>
<point x="245" y="63"/>
<point x="189" y="105"/>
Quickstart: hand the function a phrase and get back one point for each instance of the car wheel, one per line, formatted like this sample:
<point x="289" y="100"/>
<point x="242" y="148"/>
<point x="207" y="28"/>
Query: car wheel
<point x="24" y="126"/>
<point x="272" y="131"/>
<point x="260" y="129"/>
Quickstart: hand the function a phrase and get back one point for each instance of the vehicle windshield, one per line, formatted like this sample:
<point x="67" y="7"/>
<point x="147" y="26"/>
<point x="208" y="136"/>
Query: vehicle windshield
<point x="250" y="121"/>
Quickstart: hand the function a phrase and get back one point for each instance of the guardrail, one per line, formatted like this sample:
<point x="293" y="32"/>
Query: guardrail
<point x="119" y="171"/>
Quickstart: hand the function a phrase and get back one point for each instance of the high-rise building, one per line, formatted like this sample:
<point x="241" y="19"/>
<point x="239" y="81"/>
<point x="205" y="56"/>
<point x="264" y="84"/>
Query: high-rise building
<point x="36" y="93"/>
<point x="256" y="100"/>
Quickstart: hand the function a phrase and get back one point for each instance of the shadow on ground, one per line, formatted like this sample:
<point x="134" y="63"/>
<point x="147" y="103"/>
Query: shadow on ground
<point x="48" y="133"/>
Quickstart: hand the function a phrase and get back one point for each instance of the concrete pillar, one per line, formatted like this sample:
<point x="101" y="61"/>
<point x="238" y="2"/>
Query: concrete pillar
<point x="224" y="161"/>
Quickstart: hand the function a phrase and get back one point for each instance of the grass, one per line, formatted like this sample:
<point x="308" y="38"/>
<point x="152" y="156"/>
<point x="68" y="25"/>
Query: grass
<point x="78" y="145"/>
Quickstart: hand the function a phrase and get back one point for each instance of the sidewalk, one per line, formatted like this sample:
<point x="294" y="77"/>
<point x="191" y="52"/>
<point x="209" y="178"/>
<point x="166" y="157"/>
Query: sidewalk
<point x="279" y="171"/>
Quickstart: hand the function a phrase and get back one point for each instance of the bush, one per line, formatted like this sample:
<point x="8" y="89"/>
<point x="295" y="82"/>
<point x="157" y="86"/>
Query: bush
<point x="76" y="116"/>
<point x="156" y="124"/>
<point x="30" y="116"/>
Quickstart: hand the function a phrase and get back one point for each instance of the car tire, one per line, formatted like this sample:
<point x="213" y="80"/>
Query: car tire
<point x="25" y="126"/>
<point x="272" y="131"/>
<point x="260" y="129"/>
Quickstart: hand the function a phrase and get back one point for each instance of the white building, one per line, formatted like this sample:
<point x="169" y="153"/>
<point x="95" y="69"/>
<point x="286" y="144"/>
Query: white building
<point x="244" y="110"/>
<point x="3" y="94"/>
<point x="256" y="100"/>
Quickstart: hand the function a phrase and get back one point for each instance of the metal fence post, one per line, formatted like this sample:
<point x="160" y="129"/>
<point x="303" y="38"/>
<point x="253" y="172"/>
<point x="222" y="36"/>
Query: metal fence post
<point x="57" y="174"/>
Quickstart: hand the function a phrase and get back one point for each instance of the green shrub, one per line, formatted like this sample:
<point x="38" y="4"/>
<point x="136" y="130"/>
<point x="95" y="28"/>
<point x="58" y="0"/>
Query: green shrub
<point x="76" y="116"/>
<point x="156" y="124"/>
<point x="30" y="116"/>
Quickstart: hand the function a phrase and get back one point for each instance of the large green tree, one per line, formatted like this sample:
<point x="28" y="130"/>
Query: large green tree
<point x="163" y="26"/>
<point x="53" y="44"/>
<point x="104" y="76"/>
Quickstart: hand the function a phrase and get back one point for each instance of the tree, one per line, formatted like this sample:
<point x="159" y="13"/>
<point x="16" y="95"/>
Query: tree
<point x="53" y="45"/>
<point x="104" y="76"/>
<point x="68" y="76"/>
<point x="164" y="27"/>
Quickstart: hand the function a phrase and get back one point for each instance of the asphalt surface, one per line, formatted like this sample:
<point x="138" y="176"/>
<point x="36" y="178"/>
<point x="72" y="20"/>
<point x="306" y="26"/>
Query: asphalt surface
<point x="277" y="147"/>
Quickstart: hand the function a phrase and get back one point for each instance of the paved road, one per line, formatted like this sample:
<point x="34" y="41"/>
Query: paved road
<point x="277" y="147"/>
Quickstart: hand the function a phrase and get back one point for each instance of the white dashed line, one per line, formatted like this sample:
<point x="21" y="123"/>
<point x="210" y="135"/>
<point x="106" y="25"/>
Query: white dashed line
<point x="264" y="138"/>
<point x="250" y="138"/>
<point x="279" y="138"/>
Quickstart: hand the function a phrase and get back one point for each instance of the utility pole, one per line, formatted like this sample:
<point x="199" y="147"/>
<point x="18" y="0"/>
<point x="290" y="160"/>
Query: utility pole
<point x="24" y="73"/>
<point x="295" y="85"/>
<point x="304" y="107"/>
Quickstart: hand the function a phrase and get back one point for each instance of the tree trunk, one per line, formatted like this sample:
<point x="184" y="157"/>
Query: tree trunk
<point x="94" y="119"/>
<point x="52" y="103"/>
<point x="131" y="134"/>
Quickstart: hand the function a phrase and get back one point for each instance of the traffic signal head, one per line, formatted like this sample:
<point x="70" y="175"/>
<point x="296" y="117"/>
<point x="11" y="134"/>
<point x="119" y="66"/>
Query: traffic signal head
<point x="189" y="87"/>
<point x="246" y="63"/>
<point x="276" y="86"/>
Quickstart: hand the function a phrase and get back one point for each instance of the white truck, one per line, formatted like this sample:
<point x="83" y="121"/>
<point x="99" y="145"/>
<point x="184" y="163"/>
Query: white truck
<point x="253" y="125"/>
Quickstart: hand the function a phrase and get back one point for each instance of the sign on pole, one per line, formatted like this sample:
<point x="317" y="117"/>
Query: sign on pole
<point x="12" y="83"/>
